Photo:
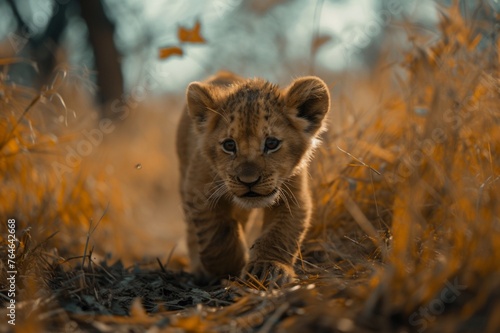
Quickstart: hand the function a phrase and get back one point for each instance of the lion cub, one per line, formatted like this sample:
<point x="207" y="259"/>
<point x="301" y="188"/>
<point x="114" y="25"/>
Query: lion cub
<point x="244" y="144"/>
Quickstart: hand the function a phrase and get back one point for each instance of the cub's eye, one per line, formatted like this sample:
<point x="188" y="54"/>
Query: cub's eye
<point x="271" y="145"/>
<point x="229" y="146"/>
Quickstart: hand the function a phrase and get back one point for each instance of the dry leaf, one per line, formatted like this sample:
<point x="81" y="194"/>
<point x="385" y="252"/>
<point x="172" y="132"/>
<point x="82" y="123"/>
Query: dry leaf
<point x="167" y="52"/>
<point x="191" y="35"/>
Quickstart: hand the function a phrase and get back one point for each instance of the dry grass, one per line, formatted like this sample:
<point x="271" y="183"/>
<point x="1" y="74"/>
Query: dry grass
<point x="406" y="235"/>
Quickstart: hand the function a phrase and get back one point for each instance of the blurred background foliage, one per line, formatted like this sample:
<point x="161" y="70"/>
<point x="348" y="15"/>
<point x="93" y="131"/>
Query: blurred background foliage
<point x="276" y="39"/>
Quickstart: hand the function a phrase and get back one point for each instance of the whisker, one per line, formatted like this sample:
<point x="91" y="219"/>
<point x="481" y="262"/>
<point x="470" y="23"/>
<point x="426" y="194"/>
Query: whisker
<point x="215" y="187"/>
<point x="282" y="195"/>
<point x="289" y="191"/>
<point x="218" y="192"/>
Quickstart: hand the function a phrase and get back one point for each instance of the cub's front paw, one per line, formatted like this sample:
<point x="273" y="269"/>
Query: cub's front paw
<point x="264" y="273"/>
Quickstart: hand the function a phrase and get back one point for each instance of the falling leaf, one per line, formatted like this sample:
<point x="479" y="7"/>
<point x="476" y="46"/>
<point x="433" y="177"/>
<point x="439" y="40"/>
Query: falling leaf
<point x="191" y="35"/>
<point x="167" y="52"/>
<point x="264" y="6"/>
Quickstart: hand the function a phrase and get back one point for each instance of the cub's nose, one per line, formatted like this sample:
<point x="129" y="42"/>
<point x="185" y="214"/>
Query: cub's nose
<point x="248" y="181"/>
<point x="248" y="174"/>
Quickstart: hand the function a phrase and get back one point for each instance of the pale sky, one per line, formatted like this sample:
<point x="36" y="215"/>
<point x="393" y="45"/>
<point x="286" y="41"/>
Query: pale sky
<point x="275" y="44"/>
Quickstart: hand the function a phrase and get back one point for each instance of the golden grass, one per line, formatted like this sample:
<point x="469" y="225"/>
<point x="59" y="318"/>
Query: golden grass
<point x="407" y="225"/>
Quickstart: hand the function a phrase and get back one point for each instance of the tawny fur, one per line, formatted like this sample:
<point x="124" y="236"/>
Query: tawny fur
<point x="216" y="184"/>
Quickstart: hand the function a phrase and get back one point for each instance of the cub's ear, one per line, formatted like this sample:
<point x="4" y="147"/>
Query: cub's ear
<point x="309" y="101"/>
<point x="199" y="100"/>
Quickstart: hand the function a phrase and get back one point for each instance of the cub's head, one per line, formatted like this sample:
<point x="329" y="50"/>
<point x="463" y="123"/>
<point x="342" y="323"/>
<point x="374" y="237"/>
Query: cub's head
<point x="256" y="136"/>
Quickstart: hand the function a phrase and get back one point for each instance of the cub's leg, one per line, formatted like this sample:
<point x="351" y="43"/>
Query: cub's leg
<point x="215" y="239"/>
<point x="194" y="252"/>
<point x="273" y="255"/>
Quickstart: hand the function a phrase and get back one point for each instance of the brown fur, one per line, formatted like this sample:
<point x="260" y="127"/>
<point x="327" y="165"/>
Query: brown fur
<point x="219" y="188"/>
